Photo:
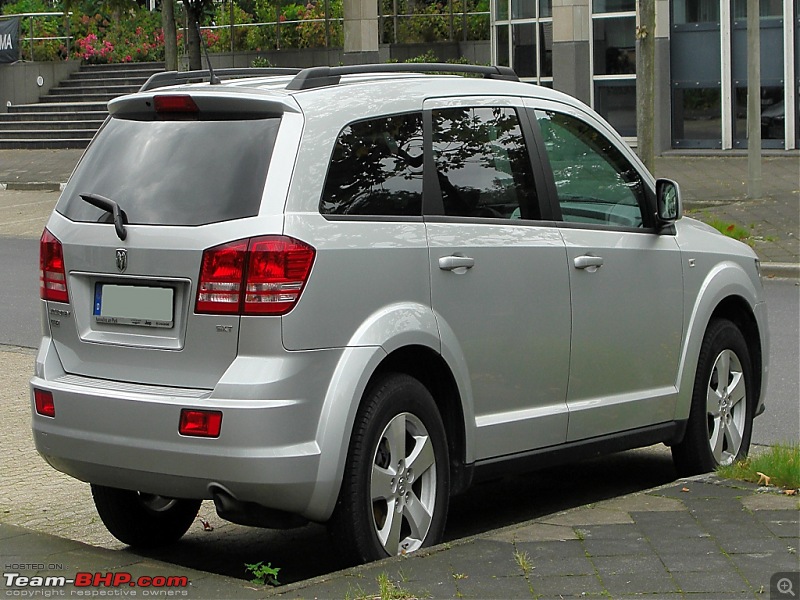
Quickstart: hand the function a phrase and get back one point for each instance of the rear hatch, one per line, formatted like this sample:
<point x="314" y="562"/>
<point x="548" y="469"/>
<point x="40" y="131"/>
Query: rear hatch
<point x="188" y="172"/>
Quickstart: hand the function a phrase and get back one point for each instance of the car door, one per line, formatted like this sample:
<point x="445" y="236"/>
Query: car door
<point x="499" y="286"/>
<point x="625" y="279"/>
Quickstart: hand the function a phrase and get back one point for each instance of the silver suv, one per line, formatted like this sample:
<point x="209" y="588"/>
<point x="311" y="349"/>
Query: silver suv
<point x="343" y="294"/>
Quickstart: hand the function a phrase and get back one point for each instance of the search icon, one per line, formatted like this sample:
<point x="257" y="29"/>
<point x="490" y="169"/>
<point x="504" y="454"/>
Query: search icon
<point x="785" y="587"/>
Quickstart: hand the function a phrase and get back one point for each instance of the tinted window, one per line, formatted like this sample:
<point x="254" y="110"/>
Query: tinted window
<point x="482" y="163"/>
<point x="376" y="169"/>
<point x="595" y="182"/>
<point x="174" y="172"/>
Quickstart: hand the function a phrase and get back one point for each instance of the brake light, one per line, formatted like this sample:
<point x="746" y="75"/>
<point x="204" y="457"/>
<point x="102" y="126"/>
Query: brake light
<point x="200" y="423"/>
<point x="43" y="401"/>
<point x="259" y="276"/>
<point x="52" y="275"/>
<point x="180" y="103"/>
<point x="219" y="287"/>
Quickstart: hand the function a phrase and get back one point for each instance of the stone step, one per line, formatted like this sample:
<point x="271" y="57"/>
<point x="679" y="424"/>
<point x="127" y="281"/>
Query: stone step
<point x="59" y="107"/>
<point x="50" y="144"/>
<point x="99" y="90"/>
<point x="103" y="81"/>
<point x="122" y="67"/>
<point x="51" y="125"/>
<point x="98" y="116"/>
<point x="78" y="97"/>
<point x="38" y="134"/>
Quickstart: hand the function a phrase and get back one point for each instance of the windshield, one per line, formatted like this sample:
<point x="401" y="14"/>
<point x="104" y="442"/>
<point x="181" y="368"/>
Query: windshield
<point x="174" y="172"/>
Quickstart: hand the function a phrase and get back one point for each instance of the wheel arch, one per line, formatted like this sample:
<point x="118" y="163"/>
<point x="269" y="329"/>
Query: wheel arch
<point x="430" y="369"/>
<point x="727" y="293"/>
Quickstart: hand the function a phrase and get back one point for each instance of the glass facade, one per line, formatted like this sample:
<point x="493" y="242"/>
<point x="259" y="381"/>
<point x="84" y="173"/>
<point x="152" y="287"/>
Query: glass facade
<point x="613" y="60"/>
<point x="706" y="105"/>
<point x="709" y="96"/>
<point x="523" y="38"/>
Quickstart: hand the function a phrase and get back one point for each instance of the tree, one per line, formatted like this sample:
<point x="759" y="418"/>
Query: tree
<point x="195" y="11"/>
<point x="645" y="82"/>
<point x="170" y="35"/>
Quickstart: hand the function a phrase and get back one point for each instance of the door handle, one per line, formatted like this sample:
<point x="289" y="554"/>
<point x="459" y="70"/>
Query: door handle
<point x="451" y="263"/>
<point x="592" y="263"/>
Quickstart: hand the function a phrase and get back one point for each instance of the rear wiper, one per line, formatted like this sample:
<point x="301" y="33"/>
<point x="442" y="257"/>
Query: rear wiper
<point x="103" y="203"/>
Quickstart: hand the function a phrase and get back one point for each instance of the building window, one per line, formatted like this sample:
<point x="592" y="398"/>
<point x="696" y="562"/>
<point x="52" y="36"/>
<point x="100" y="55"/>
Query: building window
<point x="614" y="63"/>
<point x="523" y="38"/>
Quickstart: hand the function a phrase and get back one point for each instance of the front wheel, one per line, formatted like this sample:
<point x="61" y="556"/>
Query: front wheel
<point x="721" y="416"/>
<point x="143" y="520"/>
<point x="396" y="482"/>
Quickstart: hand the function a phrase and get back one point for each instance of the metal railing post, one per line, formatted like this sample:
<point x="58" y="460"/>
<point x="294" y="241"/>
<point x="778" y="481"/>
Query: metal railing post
<point x="30" y="34"/>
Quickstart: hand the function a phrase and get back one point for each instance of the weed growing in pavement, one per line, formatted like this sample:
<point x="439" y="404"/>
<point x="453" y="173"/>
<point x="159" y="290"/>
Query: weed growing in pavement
<point x="388" y="590"/>
<point x="263" y="574"/>
<point x="779" y="466"/>
<point x="523" y="561"/>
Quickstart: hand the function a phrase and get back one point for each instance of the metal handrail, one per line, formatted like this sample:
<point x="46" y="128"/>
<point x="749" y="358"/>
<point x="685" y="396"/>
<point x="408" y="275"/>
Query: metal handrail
<point x="31" y="38"/>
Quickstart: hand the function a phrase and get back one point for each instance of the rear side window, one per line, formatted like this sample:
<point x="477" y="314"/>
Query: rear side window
<point x="482" y="164"/>
<point x="174" y="172"/>
<point x="376" y="169"/>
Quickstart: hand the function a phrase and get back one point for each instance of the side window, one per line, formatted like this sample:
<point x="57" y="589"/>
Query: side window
<point x="596" y="184"/>
<point x="376" y="169"/>
<point x="482" y="164"/>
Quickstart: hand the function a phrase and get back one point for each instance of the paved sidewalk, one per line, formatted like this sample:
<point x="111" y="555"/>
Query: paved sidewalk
<point x="714" y="189"/>
<point x="695" y="538"/>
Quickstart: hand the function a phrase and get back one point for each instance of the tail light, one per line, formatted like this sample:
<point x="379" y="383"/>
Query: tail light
<point x="52" y="276"/>
<point x="259" y="276"/>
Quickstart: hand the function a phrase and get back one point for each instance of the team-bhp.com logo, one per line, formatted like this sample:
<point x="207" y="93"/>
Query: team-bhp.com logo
<point x="87" y="584"/>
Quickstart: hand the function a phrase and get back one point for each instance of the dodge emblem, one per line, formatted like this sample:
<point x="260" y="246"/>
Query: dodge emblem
<point x="122" y="259"/>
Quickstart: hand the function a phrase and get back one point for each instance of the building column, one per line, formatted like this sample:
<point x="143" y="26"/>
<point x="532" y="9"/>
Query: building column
<point x="572" y="20"/>
<point x="360" y="31"/>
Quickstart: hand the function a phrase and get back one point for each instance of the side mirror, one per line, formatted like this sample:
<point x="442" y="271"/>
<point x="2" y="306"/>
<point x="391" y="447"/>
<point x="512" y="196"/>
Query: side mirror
<point x="669" y="207"/>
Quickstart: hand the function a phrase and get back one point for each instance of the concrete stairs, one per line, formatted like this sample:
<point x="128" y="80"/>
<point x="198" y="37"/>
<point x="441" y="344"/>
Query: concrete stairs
<point x="70" y="114"/>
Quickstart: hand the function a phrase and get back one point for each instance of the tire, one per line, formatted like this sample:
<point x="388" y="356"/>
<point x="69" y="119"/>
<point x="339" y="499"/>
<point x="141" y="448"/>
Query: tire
<point x="721" y="416"/>
<point x="143" y="520"/>
<point x="396" y="485"/>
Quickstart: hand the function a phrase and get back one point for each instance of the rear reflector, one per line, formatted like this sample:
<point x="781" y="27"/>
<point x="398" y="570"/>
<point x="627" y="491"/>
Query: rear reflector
<point x="259" y="276"/>
<point x="200" y="423"/>
<point x="180" y="103"/>
<point x="52" y="275"/>
<point x="44" y="403"/>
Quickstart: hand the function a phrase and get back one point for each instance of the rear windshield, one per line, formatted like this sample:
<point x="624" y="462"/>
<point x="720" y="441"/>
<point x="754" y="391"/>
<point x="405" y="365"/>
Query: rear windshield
<point x="174" y="172"/>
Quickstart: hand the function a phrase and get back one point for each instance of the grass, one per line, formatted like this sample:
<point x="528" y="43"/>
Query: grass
<point x="732" y="230"/>
<point x="780" y="463"/>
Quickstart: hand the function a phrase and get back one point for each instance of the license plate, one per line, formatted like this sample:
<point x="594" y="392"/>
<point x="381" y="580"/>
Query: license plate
<point x="133" y="305"/>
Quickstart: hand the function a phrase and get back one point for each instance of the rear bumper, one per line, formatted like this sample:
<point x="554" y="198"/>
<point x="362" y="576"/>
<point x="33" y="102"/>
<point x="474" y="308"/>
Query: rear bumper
<point x="126" y="436"/>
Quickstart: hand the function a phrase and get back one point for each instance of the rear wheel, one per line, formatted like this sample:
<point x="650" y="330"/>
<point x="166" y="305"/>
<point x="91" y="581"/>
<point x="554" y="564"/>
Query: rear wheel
<point x="721" y="416"/>
<point x="143" y="520"/>
<point x="396" y="483"/>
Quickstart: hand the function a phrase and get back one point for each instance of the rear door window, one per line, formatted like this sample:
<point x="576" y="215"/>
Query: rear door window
<point x="482" y="163"/>
<point x="174" y="172"/>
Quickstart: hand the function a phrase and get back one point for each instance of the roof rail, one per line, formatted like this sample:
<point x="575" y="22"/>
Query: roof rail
<point x="175" y="77"/>
<point x="323" y="76"/>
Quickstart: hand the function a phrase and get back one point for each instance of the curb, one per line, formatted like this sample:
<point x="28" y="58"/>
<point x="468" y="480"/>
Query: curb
<point x="780" y="270"/>
<point x="33" y="186"/>
<point x="294" y="590"/>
